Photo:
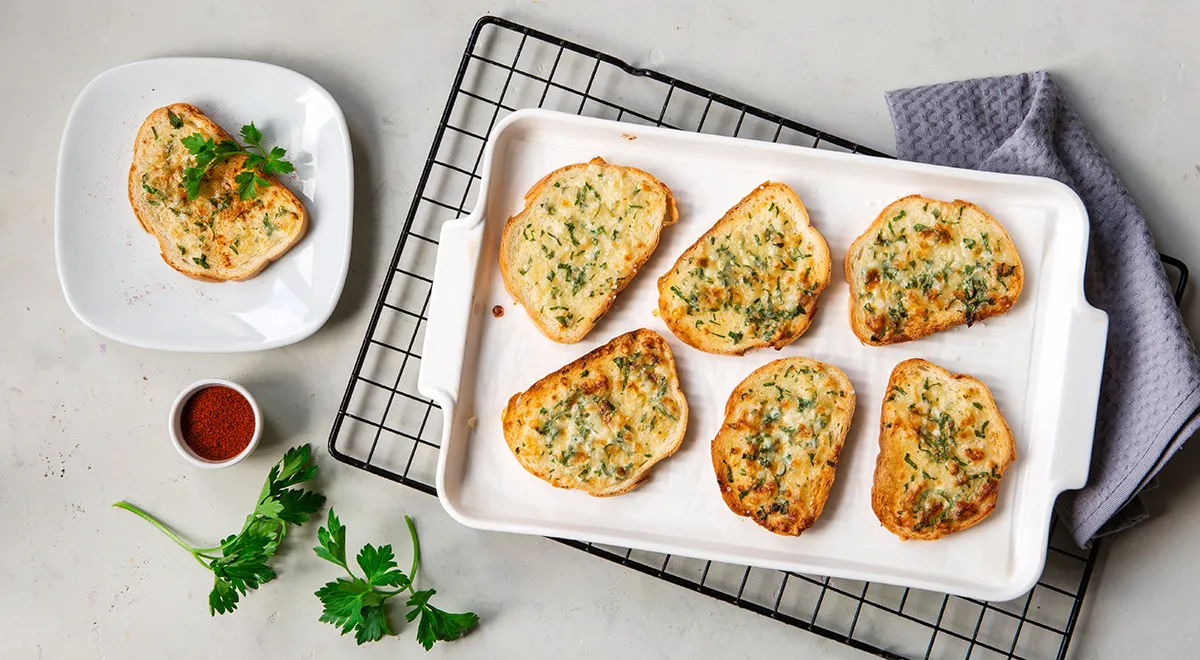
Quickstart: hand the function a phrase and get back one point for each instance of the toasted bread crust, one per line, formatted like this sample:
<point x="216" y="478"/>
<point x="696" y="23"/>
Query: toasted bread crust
<point x="762" y="292"/>
<point x="776" y="454"/>
<point x="585" y="426"/>
<point x="630" y="249"/>
<point x="942" y="301"/>
<point x="155" y="191"/>
<point x="918" y="494"/>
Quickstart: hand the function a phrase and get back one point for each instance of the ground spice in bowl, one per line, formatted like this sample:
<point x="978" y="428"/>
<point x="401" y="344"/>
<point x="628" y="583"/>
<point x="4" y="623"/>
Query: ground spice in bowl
<point x="217" y="423"/>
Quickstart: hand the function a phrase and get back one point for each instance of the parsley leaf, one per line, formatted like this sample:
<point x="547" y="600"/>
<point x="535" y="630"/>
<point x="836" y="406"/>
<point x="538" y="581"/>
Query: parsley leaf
<point x="374" y="625"/>
<point x="175" y="120"/>
<point x="191" y="181"/>
<point x="437" y="625"/>
<point x="299" y="504"/>
<point x="240" y="563"/>
<point x="356" y="603"/>
<point x="343" y="601"/>
<point x="242" y="567"/>
<point x="275" y="164"/>
<point x="257" y="159"/>
<point x="251" y="134"/>
<point x="378" y="565"/>
<point x="333" y="541"/>
<point x="248" y="182"/>
<point x="197" y="144"/>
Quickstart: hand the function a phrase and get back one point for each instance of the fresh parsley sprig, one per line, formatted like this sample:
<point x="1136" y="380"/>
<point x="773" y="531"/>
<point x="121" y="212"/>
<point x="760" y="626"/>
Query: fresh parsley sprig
<point x="356" y="603"/>
<point x="240" y="562"/>
<point x="209" y="152"/>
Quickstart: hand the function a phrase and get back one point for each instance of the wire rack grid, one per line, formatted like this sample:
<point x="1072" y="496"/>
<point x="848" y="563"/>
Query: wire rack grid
<point x="385" y="427"/>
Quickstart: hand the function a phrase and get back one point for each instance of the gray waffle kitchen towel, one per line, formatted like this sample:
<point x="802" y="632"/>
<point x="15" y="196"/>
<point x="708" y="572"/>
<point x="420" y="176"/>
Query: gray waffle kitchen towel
<point x="1150" y="394"/>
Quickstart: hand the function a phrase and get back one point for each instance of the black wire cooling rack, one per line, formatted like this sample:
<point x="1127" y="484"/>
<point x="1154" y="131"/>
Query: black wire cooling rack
<point x="385" y="427"/>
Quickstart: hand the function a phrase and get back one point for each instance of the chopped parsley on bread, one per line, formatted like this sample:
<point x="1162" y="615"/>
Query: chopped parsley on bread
<point x="585" y="231"/>
<point x="777" y="452"/>
<point x="926" y="265"/>
<point x="602" y="422"/>
<point x="943" y="449"/>
<point x="217" y="236"/>
<point x="750" y="281"/>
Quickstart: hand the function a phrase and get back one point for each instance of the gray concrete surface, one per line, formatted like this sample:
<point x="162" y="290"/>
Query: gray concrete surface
<point x="81" y="416"/>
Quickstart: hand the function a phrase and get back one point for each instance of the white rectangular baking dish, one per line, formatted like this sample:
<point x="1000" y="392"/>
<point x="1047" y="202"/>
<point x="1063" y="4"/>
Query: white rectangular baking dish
<point x="1042" y="360"/>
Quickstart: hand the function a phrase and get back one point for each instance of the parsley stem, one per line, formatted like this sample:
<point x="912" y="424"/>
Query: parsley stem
<point x="412" y="574"/>
<point x="204" y="170"/>
<point x="195" y="552"/>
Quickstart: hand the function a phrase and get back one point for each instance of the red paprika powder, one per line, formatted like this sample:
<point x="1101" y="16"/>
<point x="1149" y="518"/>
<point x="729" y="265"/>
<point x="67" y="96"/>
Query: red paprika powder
<point x="217" y="423"/>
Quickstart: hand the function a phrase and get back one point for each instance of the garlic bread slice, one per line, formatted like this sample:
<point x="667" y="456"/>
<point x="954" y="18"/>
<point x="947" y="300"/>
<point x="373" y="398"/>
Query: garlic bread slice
<point x="925" y="265"/>
<point x="585" y="231"/>
<point x="777" y="451"/>
<point x="943" y="449"/>
<point x="600" y="423"/>
<point x="218" y="236"/>
<point x="752" y="280"/>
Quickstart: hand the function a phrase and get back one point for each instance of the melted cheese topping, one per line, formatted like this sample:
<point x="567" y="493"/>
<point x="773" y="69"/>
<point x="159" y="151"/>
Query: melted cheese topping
<point x="608" y="422"/>
<point x="780" y="442"/>
<point x="949" y="450"/>
<point x="587" y="233"/>
<point x="745" y="284"/>
<point x="926" y="260"/>
<point x="217" y="229"/>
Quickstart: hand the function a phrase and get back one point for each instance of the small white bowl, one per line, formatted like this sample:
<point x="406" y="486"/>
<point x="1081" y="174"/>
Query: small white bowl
<point x="173" y="424"/>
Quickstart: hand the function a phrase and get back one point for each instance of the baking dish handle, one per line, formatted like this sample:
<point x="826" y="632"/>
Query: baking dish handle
<point x="1084" y="364"/>
<point x="450" y="307"/>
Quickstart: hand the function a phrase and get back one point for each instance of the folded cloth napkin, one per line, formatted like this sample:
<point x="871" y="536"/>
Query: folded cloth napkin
<point x="1150" y="392"/>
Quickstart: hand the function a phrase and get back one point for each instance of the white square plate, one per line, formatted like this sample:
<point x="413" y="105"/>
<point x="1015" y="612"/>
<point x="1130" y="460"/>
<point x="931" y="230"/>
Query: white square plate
<point x="1042" y="360"/>
<point x="111" y="271"/>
